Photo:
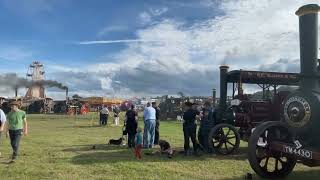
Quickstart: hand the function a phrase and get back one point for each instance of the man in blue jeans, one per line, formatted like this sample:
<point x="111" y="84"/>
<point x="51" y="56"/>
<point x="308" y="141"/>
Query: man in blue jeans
<point x="17" y="125"/>
<point x="149" y="116"/>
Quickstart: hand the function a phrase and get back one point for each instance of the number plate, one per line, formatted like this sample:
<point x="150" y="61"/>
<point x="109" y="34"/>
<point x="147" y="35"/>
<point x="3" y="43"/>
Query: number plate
<point x="298" y="152"/>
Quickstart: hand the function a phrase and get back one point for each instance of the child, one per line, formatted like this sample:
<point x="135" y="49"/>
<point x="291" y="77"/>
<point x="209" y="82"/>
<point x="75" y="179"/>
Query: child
<point x="138" y="143"/>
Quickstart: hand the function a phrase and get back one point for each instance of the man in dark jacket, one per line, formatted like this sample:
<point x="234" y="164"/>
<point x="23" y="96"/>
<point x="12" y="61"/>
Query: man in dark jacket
<point x="131" y="125"/>
<point x="157" y="132"/>
<point x="206" y="123"/>
<point x="190" y="128"/>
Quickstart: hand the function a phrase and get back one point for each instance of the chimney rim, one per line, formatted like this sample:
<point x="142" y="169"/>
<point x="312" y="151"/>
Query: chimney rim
<point x="224" y="67"/>
<point x="308" y="9"/>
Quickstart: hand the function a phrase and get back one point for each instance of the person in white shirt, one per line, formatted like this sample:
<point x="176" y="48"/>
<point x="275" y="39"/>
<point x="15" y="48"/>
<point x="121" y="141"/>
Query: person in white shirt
<point x="149" y="116"/>
<point x="2" y="123"/>
<point x="104" y="113"/>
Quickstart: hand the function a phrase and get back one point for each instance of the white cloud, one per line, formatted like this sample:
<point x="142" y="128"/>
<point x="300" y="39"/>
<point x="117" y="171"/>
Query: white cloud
<point x="158" y="12"/>
<point x="147" y="17"/>
<point x="183" y="57"/>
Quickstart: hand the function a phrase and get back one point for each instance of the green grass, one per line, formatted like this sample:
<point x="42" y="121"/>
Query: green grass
<point x="60" y="147"/>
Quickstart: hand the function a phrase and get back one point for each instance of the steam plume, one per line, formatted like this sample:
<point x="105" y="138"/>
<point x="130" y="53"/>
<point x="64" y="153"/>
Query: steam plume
<point x="12" y="80"/>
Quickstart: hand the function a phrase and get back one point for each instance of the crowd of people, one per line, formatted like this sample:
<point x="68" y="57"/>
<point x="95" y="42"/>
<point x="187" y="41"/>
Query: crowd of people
<point x="151" y="119"/>
<point x="206" y="115"/>
<point x="14" y="125"/>
<point x="104" y="115"/>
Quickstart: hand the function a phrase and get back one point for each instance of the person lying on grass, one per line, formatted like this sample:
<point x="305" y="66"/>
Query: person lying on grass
<point x="165" y="148"/>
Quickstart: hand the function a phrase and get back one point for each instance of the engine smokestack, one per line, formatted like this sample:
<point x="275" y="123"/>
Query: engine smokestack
<point x="67" y="92"/>
<point x="214" y="97"/>
<point x="16" y="92"/>
<point x="223" y="87"/>
<point x="308" y="31"/>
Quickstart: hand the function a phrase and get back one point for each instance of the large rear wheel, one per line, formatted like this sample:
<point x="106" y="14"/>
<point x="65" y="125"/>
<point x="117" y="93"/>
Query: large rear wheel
<point x="266" y="162"/>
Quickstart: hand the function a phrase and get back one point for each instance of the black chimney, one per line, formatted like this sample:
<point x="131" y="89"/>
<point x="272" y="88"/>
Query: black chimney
<point x="223" y="87"/>
<point x="16" y="92"/>
<point x="67" y="94"/>
<point x="308" y="30"/>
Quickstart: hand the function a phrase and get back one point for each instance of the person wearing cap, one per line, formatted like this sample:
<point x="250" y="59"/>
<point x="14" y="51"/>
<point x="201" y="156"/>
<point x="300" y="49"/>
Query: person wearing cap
<point x="206" y="123"/>
<point x="17" y="125"/>
<point x="2" y="123"/>
<point x="157" y="132"/>
<point x="190" y="128"/>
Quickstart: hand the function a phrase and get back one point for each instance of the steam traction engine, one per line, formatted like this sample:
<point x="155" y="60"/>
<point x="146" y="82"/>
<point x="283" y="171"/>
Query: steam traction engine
<point x="237" y="120"/>
<point x="275" y="147"/>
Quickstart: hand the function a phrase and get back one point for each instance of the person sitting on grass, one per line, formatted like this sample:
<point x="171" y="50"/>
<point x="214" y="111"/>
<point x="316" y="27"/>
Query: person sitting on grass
<point x="138" y="143"/>
<point x="165" y="148"/>
<point x="17" y="125"/>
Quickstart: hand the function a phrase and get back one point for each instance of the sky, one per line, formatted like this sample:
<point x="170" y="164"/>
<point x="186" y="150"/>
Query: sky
<point x="133" y="48"/>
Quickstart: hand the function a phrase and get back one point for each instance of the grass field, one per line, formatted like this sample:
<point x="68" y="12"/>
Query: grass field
<point x="60" y="147"/>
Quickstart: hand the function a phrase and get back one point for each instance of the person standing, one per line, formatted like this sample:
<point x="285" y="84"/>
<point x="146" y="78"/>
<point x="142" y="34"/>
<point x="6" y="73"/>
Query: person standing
<point x="149" y="116"/>
<point x="116" y="112"/>
<point x="104" y="113"/>
<point x="2" y="123"/>
<point x="157" y="132"/>
<point x="131" y="125"/>
<point x="206" y="123"/>
<point x="17" y="125"/>
<point x="138" y="144"/>
<point x="190" y="128"/>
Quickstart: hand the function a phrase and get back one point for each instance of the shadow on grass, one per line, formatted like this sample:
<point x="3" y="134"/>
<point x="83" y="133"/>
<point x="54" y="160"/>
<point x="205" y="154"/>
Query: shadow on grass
<point x="94" y="147"/>
<point x="102" y="153"/>
<point x="294" y="175"/>
<point x="87" y="126"/>
<point x="241" y="154"/>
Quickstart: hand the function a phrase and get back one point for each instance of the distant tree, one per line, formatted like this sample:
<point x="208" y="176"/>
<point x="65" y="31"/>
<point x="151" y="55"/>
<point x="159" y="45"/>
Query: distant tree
<point x="76" y="96"/>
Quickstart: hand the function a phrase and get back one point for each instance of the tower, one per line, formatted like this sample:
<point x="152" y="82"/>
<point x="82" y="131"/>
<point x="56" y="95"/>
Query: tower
<point x="36" y="75"/>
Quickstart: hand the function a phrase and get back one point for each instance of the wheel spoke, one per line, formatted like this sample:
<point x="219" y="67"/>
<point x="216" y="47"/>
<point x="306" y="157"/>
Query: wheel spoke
<point x="221" y="132"/>
<point x="230" y="143"/>
<point x="225" y="145"/>
<point x="259" y="159"/>
<point x="276" y="165"/>
<point x="281" y="161"/>
<point x="228" y="132"/>
<point x="266" y="163"/>
<point x="232" y="137"/>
